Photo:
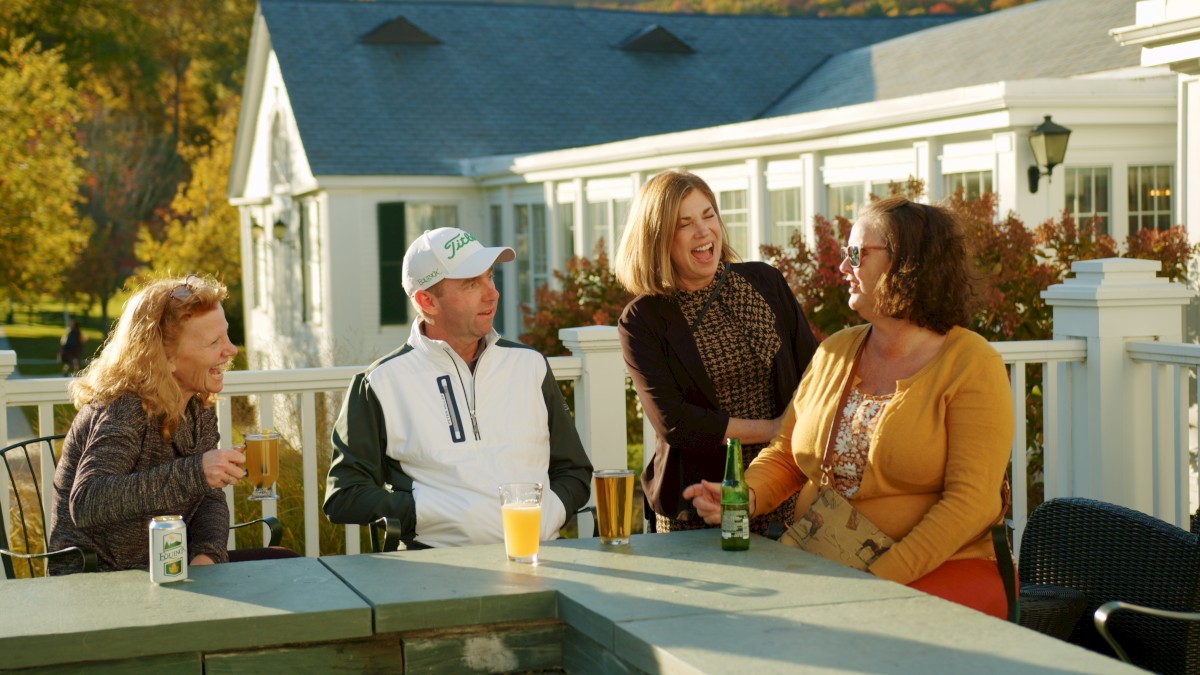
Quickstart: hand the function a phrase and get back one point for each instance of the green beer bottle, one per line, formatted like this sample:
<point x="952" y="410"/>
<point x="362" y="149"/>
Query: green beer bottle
<point x="735" y="500"/>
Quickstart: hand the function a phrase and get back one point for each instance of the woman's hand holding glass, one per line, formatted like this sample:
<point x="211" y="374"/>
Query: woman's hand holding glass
<point x="222" y="467"/>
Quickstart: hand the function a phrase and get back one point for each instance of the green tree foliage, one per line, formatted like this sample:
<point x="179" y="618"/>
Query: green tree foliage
<point x="201" y="231"/>
<point x="155" y="79"/>
<point x="588" y="294"/>
<point x="132" y="172"/>
<point x="40" y="232"/>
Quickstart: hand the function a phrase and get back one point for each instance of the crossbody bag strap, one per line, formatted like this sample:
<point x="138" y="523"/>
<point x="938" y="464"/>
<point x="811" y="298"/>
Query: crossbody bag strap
<point x="712" y="296"/>
<point x="827" y="459"/>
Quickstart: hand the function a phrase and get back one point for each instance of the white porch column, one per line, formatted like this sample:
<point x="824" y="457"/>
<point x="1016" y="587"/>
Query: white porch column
<point x="1009" y="174"/>
<point x="813" y="193"/>
<point x="929" y="167"/>
<point x="1111" y="302"/>
<point x="759" y="209"/>
<point x="600" y="394"/>
<point x="1187" y="210"/>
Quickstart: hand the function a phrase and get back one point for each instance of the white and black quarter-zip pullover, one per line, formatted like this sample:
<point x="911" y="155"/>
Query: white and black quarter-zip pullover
<point x="423" y="439"/>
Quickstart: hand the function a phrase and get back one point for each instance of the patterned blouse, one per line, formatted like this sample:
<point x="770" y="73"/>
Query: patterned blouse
<point x="737" y="341"/>
<point x="853" y="441"/>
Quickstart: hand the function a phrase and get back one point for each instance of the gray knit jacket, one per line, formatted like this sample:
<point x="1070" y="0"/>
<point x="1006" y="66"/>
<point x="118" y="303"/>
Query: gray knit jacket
<point x="117" y="472"/>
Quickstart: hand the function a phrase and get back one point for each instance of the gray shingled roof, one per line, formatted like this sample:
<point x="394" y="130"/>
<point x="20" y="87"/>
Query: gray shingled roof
<point x="510" y="79"/>
<point x="1049" y="38"/>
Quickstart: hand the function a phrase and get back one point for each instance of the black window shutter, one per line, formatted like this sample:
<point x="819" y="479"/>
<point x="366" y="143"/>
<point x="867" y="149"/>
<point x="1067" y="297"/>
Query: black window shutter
<point x="393" y="302"/>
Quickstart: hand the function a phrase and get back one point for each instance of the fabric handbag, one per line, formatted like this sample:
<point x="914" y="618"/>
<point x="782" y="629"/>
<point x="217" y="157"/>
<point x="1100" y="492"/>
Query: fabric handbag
<point x="832" y="528"/>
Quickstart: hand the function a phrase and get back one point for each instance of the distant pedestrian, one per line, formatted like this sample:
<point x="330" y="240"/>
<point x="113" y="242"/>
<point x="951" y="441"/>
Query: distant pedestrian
<point x="70" y="349"/>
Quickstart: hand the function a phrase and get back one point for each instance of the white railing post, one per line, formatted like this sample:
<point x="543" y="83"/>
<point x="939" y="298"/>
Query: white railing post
<point x="599" y="398"/>
<point x="8" y="365"/>
<point x="1111" y="302"/>
<point x="600" y="394"/>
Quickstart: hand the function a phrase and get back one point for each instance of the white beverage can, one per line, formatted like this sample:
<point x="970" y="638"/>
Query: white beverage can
<point x="168" y="549"/>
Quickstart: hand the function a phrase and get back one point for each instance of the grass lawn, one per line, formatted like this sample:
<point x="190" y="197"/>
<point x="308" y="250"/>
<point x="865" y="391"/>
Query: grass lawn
<point x="36" y="346"/>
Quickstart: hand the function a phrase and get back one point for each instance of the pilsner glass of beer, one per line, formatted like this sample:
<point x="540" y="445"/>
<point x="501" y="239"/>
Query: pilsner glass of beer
<point x="262" y="464"/>
<point x="521" y="516"/>
<point x="614" y="504"/>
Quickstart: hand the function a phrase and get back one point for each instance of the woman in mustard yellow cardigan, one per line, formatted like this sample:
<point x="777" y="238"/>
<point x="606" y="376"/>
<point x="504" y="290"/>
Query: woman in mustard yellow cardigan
<point x="921" y="443"/>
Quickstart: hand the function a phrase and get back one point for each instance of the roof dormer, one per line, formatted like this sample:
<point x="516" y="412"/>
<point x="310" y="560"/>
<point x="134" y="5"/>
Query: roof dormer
<point x="398" y="31"/>
<point x="655" y="38"/>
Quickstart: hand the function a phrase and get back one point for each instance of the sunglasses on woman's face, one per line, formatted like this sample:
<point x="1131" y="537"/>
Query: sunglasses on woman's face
<point x="856" y="253"/>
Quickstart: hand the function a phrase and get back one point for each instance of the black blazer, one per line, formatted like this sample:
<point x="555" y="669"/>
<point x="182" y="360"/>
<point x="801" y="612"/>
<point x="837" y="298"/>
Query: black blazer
<point x="679" y="398"/>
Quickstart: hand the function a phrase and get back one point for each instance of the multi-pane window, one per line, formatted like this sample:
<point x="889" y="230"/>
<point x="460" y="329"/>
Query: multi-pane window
<point x="785" y="214"/>
<point x="972" y="183"/>
<point x="565" y="215"/>
<point x="735" y="212"/>
<point x="496" y="216"/>
<point x="257" y="264"/>
<point x="620" y="216"/>
<point x="430" y="217"/>
<point x="1149" y="198"/>
<point x="845" y="200"/>
<point x="1087" y="192"/>
<point x="597" y="229"/>
<point x="881" y="189"/>
<point x="529" y="223"/>
<point x="308" y="265"/>
<point x="312" y="266"/>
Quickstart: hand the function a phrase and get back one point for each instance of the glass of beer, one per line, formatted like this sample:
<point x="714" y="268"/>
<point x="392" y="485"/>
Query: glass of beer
<point x="521" y="515"/>
<point x="614" y="504"/>
<point x="262" y="464"/>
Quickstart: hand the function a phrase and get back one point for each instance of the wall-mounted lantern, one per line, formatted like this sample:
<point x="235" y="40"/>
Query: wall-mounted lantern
<point x="1049" y="144"/>
<point x="279" y="229"/>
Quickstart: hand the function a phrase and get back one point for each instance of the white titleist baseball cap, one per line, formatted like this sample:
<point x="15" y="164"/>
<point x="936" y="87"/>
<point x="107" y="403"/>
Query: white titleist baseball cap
<point x="448" y="253"/>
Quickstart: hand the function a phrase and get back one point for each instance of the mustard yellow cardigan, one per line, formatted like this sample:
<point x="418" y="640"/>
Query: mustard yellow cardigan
<point x="937" y="456"/>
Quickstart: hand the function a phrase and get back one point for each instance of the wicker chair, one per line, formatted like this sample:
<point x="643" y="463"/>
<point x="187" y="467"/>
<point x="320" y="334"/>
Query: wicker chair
<point x="1109" y="552"/>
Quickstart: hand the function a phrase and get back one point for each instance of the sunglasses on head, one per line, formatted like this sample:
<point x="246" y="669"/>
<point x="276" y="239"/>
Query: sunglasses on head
<point x="184" y="291"/>
<point x="855" y="253"/>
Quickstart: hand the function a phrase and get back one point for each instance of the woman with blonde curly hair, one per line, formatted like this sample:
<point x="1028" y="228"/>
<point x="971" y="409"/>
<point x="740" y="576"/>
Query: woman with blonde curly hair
<point x="145" y="440"/>
<point x="907" y="417"/>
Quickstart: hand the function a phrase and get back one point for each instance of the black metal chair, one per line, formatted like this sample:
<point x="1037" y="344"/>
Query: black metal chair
<point x="31" y="536"/>
<point x="30" y="527"/>
<point x="1111" y="553"/>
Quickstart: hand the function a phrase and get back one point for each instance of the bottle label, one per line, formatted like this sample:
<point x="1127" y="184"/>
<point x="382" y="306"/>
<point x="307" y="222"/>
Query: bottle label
<point x="735" y="523"/>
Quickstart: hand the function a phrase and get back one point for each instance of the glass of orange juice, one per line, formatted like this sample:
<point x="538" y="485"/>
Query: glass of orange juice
<point x="521" y="515"/>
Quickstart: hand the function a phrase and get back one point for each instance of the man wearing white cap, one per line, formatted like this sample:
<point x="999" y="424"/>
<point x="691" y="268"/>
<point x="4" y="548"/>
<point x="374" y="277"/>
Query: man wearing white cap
<point x="427" y="433"/>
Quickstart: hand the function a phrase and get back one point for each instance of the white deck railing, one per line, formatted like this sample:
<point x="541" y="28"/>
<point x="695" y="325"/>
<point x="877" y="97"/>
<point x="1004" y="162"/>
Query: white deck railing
<point x="287" y="400"/>
<point x="1055" y="437"/>
<point x="1114" y="409"/>
<point x="1170" y="438"/>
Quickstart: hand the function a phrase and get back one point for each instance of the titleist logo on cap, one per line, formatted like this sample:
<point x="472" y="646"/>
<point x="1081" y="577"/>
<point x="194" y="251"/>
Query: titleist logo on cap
<point x="457" y="243"/>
